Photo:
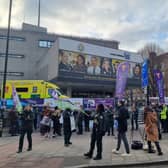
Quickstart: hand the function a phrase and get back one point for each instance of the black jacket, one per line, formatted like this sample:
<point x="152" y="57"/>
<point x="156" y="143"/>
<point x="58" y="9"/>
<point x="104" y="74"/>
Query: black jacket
<point x="27" y="120"/>
<point x="123" y="115"/>
<point x="99" y="126"/>
<point x="66" y="121"/>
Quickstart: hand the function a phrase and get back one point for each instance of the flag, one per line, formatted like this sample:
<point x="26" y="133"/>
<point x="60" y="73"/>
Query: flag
<point x="160" y="84"/>
<point x="144" y="74"/>
<point x="121" y="79"/>
<point x="16" y="100"/>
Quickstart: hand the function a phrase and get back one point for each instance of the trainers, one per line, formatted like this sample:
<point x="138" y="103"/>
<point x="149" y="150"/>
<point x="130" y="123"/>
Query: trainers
<point x="125" y="154"/>
<point x="115" y="151"/>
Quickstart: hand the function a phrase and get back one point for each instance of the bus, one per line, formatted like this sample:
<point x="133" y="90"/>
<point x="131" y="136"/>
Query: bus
<point x="32" y="89"/>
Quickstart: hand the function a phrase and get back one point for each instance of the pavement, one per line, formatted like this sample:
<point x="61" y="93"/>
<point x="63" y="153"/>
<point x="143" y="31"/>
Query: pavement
<point x="51" y="153"/>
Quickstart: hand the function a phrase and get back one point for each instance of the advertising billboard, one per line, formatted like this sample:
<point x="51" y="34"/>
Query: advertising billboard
<point x="91" y="67"/>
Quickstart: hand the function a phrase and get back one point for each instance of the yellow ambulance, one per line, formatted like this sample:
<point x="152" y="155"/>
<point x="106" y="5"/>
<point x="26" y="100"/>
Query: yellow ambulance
<point x="32" y="89"/>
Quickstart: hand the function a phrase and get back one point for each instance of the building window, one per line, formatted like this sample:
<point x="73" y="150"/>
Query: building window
<point x="45" y="43"/>
<point x="12" y="73"/>
<point x="16" y="38"/>
<point x="12" y="55"/>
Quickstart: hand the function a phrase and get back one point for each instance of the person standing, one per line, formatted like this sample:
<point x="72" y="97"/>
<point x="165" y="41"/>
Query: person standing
<point x="110" y="121"/>
<point x="13" y="120"/>
<point x="26" y="128"/>
<point x="151" y="129"/>
<point x="80" y="121"/>
<point x="67" y="127"/>
<point x="98" y="132"/>
<point x="46" y="122"/>
<point x="123" y="115"/>
<point x="35" y="112"/>
<point x="134" y="117"/>
<point x="157" y="109"/>
<point x="56" y="115"/>
<point x="86" y="120"/>
<point x="163" y="116"/>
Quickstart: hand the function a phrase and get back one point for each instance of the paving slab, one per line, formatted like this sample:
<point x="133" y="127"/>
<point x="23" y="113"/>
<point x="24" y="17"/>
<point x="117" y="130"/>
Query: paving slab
<point x="51" y="153"/>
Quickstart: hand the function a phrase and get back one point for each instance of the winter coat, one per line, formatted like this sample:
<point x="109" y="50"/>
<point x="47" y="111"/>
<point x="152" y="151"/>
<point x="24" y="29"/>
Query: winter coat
<point x="27" y="120"/>
<point x="123" y="115"/>
<point x="99" y="126"/>
<point x="151" y="127"/>
<point x="66" y="121"/>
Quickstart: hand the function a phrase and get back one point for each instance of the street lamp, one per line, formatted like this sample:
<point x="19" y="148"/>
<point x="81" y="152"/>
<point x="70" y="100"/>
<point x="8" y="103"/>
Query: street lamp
<point x="6" y="61"/>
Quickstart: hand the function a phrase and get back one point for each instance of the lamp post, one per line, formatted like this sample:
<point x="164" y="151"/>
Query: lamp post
<point x="39" y="6"/>
<point x="6" y="61"/>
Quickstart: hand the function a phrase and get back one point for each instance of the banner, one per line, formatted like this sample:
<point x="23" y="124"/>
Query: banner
<point x="88" y="67"/>
<point x="16" y="100"/>
<point x="121" y="79"/>
<point x="160" y="84"/>
<point x="91" y="103"/>
<point x="144" y="74"/>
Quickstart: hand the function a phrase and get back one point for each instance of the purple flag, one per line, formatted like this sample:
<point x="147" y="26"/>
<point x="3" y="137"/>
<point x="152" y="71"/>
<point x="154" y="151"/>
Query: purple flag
<point x="121" y="79"/>
<point x="160" y="85"/>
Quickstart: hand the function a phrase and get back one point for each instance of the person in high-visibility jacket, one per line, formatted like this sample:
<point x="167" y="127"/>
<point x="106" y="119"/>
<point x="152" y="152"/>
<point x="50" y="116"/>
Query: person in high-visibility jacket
<point x="163" y="116"/>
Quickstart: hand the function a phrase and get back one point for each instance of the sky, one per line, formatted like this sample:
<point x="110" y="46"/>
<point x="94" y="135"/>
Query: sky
<point x="133" y="23"/>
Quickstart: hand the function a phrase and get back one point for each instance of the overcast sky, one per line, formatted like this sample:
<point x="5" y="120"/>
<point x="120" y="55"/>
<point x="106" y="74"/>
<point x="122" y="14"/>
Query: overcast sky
<point x="132" y="22"/>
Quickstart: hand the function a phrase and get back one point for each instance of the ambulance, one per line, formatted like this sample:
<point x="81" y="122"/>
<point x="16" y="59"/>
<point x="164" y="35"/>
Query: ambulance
<point x="32" y="89"/>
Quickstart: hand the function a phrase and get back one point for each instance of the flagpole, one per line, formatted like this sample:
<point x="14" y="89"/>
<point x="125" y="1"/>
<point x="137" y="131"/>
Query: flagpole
<point x="148" y="90"/>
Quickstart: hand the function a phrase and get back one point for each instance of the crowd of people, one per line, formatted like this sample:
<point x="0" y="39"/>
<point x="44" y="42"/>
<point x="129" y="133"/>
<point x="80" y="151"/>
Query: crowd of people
<point x="53" y="122"/>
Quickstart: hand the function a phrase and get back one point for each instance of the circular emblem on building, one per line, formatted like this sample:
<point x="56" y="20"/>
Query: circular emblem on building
<point x="80" y="47"/>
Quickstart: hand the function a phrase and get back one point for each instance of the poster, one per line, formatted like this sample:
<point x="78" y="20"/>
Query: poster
<point x="85" y="66"/>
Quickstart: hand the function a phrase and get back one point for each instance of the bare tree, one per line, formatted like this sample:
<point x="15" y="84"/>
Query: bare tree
<point x="150" y="51"/>
<point x="149" y="48"/>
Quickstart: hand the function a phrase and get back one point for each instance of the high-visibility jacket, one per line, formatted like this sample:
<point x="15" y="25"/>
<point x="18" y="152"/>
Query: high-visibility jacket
<point x="163" y="113"/>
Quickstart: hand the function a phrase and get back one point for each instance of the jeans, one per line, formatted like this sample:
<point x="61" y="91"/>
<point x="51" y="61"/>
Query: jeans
<point x="134" y="119"/>
<point x="122" y="136"/>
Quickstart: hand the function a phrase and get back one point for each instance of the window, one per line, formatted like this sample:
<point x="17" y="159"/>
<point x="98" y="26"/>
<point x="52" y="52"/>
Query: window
<point x="16" y="38"/>
<point x="46" y="43"/>
<point x="50" y="91"/>
<point x="22" y="89"/>
<point x="12" y="55"/>
<point x="34" y="90"/>
<point x="12" y="73"/>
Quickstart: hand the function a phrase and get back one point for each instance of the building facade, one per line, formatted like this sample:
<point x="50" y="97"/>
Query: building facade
<point x="82" y="67"/>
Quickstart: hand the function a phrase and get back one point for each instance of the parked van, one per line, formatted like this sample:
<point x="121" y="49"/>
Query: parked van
<point x="32" y="89"/>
